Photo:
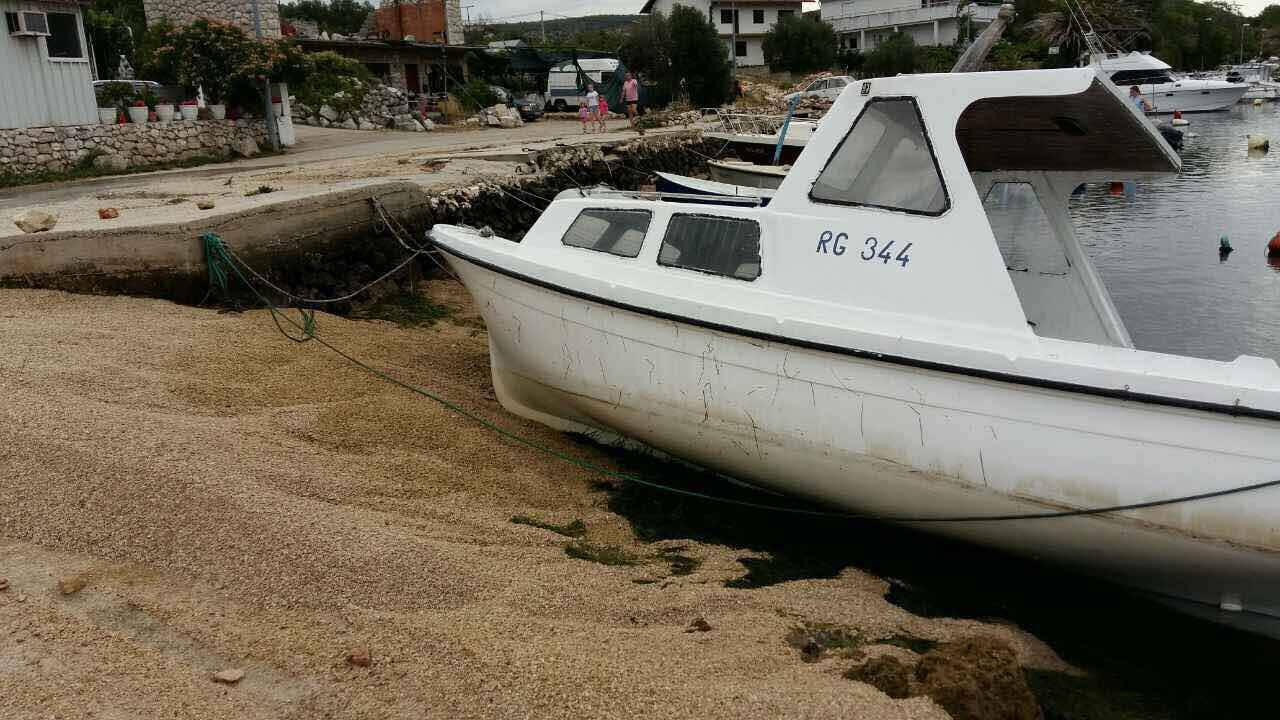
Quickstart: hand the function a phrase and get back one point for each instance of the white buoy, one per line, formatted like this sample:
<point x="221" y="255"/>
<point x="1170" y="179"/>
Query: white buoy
<point x="1178" y="120"/>
<point x="1257" y="102"/>
<point x="1259" y="142"/>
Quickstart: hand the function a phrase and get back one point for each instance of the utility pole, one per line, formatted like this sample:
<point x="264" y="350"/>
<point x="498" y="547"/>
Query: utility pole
<point x="272" y="129"/>
<point x="542" y="21"/>
<point x="1242" y="29"/>
<point x="733" y="49"/>
<point x="467" y="9"/>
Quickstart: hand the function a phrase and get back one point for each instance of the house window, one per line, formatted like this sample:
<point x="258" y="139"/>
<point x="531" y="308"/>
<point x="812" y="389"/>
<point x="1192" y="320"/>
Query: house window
<point x="723" y="246"/>
<point x="786" y="14"/>
<point x="740" y="48"/>
<point x="64" y="36"/>
<point x="757" y="17"/>
<point x="885" y="161"/>
<point x="726" y="17"/>
<point x="617" y="232"/>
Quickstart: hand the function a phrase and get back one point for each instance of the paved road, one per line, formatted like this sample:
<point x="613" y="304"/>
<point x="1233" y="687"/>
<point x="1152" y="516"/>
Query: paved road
<point x="326" y="144"/>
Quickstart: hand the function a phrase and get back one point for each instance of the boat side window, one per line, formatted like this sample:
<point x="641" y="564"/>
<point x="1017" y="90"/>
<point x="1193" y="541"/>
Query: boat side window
<point x="724" y="246"/>
<point x="617" y="232"/>
<point x="886" y="161"/>
<point x="1140" y="77"/>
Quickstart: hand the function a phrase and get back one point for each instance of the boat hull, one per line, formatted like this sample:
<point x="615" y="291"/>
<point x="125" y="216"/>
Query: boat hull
<point x="746" y="174"/>
<point x="1193" y="100"/>
<point x="876" y="437"/>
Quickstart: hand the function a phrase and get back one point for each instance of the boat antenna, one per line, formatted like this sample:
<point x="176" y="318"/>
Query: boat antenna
<point x="582" y="192"/>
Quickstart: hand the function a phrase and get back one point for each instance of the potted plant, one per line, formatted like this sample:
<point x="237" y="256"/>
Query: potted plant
<point x="190" y="110"/>
<point x="111" y="98"/>
<point x="164" y="111"/>
<point x="217" y="111"/>
<point x="277" y="106"/>
<point x="138" y="111"/>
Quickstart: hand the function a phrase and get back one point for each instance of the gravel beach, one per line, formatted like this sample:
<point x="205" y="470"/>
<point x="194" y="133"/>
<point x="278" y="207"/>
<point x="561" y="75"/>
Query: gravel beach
<point x="184" y="492"/>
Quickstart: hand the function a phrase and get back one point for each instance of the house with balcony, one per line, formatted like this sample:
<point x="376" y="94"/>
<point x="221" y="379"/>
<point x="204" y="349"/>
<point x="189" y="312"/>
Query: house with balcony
<point x="864" y="24"/>
<point x="742" y="24"/>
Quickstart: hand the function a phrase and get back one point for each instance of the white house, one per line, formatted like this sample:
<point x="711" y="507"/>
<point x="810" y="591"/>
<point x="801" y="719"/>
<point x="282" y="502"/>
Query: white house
<point x="864" y="24"/>
<point x="45" y="78"/>
<point x="742" y="24"/>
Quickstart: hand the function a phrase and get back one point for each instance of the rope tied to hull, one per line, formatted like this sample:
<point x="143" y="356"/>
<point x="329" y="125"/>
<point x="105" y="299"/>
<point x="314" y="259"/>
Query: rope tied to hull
<point x="223" y="264"/>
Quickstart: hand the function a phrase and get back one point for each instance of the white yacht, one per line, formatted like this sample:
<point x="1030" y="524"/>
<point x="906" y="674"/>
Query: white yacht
<point x="909" y="330"/>
<point x="1260" y="78"/>
<point x="1164" y="92"/>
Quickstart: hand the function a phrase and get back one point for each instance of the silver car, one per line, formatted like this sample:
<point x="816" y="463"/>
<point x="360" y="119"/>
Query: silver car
<point x="827" y="87"/>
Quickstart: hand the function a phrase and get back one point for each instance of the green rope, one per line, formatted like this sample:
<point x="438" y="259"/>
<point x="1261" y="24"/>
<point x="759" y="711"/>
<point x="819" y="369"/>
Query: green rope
<point x="220" y="258"/>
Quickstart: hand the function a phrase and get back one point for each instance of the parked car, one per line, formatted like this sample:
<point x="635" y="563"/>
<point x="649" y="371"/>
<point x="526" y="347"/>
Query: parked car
<point x="139" y="86"/>
<point x="530" y="107"/>
<point x="827" y="87"/>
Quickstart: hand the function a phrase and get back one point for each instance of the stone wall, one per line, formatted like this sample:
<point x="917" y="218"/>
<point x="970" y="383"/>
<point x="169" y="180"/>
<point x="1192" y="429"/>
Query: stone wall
<point x="238" y="12"/>
<point x="27" y="151"/>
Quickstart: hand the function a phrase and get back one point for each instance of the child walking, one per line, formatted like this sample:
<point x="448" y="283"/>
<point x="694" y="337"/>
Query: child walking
<point x="584" y="115"/>
<point x="604" y="113"/>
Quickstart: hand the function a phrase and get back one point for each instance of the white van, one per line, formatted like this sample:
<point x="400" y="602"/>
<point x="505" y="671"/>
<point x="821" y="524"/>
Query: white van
<point x="562" y="81"/>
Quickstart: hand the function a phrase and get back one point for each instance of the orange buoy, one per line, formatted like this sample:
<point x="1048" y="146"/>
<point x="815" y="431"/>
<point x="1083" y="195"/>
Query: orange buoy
<point x="1273" y="247"/>
<point x="1117" y="188"/>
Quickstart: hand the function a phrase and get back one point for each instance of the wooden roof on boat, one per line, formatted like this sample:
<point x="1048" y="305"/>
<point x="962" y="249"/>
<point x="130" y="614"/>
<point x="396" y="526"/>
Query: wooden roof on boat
<point x="1085" y="133"/>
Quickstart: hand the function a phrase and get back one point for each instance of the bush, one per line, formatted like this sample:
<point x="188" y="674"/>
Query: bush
<point x="800" y="44"/>
<point x="116" y="94"/>
<point x="336" y="81"/>
<point x="896" y="55"/>
<point x="476" y="95"/>
<point x="220" y="58"/>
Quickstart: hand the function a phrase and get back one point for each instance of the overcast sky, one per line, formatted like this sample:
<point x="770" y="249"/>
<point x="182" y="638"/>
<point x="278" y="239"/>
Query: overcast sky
<point x="518" y="10"/>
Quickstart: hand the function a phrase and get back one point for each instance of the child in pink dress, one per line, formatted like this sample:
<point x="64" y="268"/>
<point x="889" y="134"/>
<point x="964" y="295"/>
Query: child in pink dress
<point x="584" y="115"/>
<point x="604" y="112"/>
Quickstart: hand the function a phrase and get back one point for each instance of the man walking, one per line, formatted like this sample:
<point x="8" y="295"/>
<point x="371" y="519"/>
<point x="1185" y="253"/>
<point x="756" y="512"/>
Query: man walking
<point x="631" y="97"/>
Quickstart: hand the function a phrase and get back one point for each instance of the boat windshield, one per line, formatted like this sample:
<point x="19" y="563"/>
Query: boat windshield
<point x="1141" y="77"/>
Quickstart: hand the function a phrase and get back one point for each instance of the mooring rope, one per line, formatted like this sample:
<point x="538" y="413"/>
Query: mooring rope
<point x="220" y="260"/>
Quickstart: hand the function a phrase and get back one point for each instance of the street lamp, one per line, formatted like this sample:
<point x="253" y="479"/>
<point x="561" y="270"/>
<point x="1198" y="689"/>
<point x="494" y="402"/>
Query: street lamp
<point x="1242" y="29"/>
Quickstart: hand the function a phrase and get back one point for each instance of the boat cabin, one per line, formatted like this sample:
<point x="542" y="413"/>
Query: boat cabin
<point x="939" y="196"/>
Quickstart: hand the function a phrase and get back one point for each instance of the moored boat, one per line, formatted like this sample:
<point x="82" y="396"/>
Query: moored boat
<point x="1163" y="92"/>
<point x="670" y="183"/>
<point x="748" y="174"/>
<point x="910" y="330"/>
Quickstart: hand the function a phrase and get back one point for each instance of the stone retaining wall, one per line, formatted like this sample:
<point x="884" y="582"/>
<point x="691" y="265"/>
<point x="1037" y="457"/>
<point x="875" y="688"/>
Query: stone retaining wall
<point x="236" y="12"/>
<point x="27" y="151"/>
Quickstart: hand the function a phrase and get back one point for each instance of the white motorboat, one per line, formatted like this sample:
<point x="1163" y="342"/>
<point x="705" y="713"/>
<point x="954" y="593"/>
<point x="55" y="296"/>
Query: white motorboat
<point x="747" y="174"/>
<point x="1260" y="78"/>
<point x="909" y="330"/>
<point x="1162" y="91"/>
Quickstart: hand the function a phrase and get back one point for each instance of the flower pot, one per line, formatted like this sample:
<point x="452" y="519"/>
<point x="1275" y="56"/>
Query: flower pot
<point x="219" y="112"/>
<point x="107" y="116"/>
<point x="165" y="113"/>
<point x="138" y="114"/>
<point x="278" y="109"/>
<point x="189" y="112"/>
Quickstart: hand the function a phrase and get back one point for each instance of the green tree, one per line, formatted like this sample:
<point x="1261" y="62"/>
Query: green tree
<point x="898" y="54"/>
<point x="800" y="44"/>
<point x="699" y="59"/>
<point x="333" y="16"/>
<point x="113" y="26"/>
<point x="646" y="49"/>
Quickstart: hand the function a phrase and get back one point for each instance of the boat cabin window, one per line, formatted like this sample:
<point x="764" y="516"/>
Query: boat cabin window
<point x="717" y="245"/>
<point x="1125" y="78"/>
<point x="617" y="232"/>
<point x="885" y="161"/>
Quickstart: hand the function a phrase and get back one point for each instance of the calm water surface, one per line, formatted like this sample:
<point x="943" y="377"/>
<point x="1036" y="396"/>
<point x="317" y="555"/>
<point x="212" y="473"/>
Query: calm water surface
<point x="1157" y="246"/>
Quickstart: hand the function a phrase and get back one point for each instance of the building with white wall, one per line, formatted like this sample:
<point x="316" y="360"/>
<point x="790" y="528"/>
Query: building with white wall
<point x="864" y="24"/>
<point x="742" y="24"/>
<point x="45" y="76"/>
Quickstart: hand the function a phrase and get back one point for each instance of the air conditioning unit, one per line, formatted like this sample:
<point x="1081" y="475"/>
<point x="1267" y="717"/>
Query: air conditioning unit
<point x="28" y="24"/>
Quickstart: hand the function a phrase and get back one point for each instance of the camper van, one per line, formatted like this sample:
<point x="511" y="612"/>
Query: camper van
<point x="563" y="92"/>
